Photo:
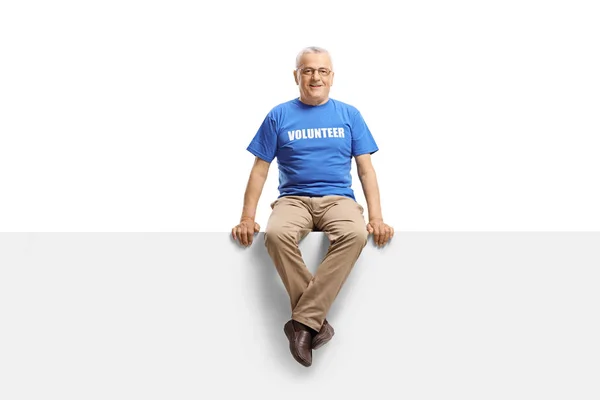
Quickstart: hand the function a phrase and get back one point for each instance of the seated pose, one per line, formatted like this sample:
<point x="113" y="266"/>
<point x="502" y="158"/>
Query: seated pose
<point x="314" y="139"/>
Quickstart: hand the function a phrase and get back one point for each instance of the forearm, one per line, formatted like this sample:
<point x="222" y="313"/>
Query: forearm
<point x="368" y="180"/>
<point x="254" y="189"/>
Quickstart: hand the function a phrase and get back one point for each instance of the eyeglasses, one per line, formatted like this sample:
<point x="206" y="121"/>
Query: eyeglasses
<point x="311" y="71"/>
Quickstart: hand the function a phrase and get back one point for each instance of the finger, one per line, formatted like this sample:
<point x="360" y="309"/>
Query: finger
<point x="249" y="234"/>
<point x="233" y="233"/>
<point x="256" y="227"/>
<point x="369" y="228"/>
<point x="392" y="235"/>
<point x="243" y="235"/>
<point x="386" y="237"/>
<point x="381" y="236"/>
<point x="376" y="235"/>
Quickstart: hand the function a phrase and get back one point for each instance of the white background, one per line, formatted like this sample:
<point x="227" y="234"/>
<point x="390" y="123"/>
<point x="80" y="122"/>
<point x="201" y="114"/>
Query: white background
<point x="135" y="116"/>
<point x="438" y="315"/>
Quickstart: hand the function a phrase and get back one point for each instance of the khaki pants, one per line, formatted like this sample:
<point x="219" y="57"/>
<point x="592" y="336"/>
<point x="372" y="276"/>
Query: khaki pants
<point x="292" y="218"/>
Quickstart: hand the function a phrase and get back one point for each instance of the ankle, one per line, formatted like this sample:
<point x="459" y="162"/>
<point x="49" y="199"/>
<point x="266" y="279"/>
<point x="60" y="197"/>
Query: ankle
<point x="301" y="326"/>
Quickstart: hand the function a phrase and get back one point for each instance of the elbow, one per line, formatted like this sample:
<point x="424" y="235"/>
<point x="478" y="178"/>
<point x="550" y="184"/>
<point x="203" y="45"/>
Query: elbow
<point x="364" y="175"/>
<point x="260" y="175"/>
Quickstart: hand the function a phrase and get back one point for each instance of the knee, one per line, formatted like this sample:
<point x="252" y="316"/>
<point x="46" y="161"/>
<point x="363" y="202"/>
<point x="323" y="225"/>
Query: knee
<point x="357" y="234"/>
<point x="275" y="236"/>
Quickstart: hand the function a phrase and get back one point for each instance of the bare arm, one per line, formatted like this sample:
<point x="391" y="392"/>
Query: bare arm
<point x="256" y="182"/>
<point x="247" y="227"/>
<point x="368" y="179"/>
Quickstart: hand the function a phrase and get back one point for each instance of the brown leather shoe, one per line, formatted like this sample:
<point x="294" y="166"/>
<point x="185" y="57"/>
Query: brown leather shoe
<point x="324" y="335"/>
<point x="300" y="342"/>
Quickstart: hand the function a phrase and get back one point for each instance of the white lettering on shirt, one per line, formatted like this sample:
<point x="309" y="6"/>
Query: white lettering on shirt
<point x="316" y="133"/>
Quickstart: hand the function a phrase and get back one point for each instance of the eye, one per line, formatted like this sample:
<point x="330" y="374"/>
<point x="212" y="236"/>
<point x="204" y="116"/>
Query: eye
<point x="323" y="72"/>
<point x="307" y="71"/>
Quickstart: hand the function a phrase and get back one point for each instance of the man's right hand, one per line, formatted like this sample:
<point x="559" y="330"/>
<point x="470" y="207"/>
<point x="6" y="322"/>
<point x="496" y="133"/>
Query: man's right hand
<point x="244" y="231"/>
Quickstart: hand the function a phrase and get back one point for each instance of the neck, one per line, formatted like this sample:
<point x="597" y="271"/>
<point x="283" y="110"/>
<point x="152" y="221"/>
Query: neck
<point x="313" y="102"/>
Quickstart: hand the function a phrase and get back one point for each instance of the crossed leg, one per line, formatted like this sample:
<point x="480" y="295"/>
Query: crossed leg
<point x="293" y="217"/>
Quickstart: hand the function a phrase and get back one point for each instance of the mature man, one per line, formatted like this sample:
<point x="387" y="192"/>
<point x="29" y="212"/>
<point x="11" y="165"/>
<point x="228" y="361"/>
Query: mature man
<point x="314" y="139"/>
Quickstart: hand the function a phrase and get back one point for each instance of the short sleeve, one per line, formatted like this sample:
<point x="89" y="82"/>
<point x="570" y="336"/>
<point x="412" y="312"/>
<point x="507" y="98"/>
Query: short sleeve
<point x="362" y="139"/>
<point x="264" y="143"/>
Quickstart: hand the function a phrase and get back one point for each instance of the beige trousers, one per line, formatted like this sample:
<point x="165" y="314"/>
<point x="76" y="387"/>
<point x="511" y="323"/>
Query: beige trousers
<point x="292" y="218"/>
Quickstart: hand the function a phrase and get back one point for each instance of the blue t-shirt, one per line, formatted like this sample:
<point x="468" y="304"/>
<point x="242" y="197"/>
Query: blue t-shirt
<point x="314" y="146"/>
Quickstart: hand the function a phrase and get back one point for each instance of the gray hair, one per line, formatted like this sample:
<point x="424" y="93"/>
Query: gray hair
<point x="310" y="50"/>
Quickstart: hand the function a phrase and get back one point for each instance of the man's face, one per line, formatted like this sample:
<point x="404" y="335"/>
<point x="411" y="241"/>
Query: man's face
<point x="314" y="85"/>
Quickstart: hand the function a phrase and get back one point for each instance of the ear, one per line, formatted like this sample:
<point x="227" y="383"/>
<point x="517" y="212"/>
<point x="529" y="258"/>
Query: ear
<point x="296" y="77"/>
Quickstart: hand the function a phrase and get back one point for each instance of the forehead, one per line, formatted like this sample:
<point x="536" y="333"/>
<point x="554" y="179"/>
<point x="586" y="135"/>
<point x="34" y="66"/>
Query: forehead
<point x="315" y="60"/>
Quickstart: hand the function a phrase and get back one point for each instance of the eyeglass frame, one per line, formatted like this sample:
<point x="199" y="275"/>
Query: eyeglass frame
<point x="301" y="70"/>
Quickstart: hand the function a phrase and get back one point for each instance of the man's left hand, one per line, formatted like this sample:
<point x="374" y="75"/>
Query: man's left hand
<point x="381" y="231"/>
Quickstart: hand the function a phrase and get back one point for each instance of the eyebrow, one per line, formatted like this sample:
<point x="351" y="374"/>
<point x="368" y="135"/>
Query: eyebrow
<point x="306" y="66"/>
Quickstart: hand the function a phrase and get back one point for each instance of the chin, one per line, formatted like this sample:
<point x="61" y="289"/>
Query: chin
<point x="315" y="100"/>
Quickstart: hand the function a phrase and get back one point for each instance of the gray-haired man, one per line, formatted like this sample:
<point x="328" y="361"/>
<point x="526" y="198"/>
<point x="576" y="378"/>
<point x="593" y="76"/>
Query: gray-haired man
<point x="314" y="139"/>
